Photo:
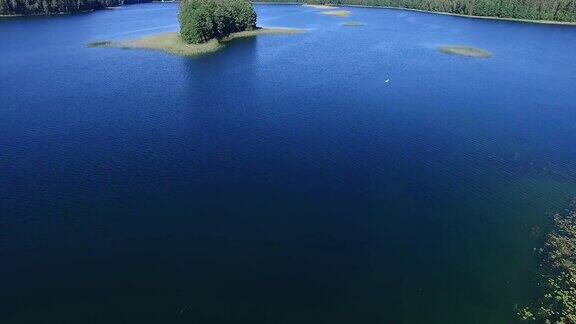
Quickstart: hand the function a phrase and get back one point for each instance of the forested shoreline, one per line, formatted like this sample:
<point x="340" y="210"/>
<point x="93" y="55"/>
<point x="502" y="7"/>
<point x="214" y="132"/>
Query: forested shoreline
<point x="48" y="7"/>
<point x="551" y="10"/>
<point x="547" y="10"/>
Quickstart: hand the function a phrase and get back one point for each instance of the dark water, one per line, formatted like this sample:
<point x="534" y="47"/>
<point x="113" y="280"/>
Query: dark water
<point x="281" y="180"/>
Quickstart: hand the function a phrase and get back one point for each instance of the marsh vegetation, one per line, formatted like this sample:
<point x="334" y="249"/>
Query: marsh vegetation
<point x="172" y="42"/>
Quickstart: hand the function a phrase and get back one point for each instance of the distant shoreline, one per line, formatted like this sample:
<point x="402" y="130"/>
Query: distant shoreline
<point x="530" y="21"/>
<point x="47" y="14"/>
<point x="542" y="22"/>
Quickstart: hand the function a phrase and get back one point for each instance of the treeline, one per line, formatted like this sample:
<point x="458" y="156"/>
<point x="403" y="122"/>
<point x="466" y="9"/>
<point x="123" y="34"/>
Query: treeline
<point x="202" y="20"/>
<point x="46" y="7"/>
<point x="559" y="10"/>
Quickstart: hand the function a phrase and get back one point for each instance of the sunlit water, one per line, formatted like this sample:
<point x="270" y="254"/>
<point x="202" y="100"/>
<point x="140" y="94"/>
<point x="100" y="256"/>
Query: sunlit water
<point x="281" y="180"/>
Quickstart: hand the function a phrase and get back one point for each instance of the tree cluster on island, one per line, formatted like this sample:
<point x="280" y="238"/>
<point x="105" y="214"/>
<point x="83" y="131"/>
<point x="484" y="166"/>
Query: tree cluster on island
<point x="203" y="20"/>
<point x="48" y="7"/>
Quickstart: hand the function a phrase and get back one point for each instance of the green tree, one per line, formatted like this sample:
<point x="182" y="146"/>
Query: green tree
<point x="202" y="20"/>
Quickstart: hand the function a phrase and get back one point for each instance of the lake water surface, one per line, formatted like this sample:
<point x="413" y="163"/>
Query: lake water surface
<point x="280" y="180"/>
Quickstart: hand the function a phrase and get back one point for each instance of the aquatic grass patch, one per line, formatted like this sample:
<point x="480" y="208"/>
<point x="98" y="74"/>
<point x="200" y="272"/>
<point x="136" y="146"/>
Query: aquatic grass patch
<point x="465" y="51"/>
<point x="264" y="31"/>
<point x="558" y="303"/>
<point x="352" y="24"/>
<point x="172" y="42"/>
<point x="336" y="13"/>
<point x="99" y="44"/>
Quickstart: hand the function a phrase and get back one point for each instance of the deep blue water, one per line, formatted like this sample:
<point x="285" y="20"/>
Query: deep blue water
<point x="280" y="180"/>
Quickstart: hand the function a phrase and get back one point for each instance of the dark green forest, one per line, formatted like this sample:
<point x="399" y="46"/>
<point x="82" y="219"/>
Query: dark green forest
<point x="46" y="7"/>
<point x="202" y="20"/>
<point x="559" y="10"/>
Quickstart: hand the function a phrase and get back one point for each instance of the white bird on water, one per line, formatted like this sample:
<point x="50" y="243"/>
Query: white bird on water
<point x="386" y="80"/>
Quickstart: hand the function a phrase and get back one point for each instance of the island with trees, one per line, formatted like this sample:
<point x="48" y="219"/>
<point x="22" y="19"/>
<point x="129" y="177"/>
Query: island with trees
<point x="205" y="27"/>
<point x="203" y="20"/>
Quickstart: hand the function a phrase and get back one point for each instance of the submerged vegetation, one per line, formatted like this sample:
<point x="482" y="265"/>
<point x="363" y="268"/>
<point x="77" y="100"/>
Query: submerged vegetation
<point x="549" y="10"/>
<point x="465" y="51"/>
<point x="203" y="20"/>
<point x="558" y="304"/>
<point x="172" y="42"/>
<point x="47" y="7"/>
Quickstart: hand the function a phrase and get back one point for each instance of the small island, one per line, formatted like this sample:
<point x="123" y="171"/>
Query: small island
<point x="205" y="26"/>
<point x="465" y="51"/>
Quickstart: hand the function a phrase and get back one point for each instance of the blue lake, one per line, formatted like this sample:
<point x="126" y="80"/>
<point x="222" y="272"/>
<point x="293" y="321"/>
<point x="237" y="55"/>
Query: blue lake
<point x="282" y="179"/>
